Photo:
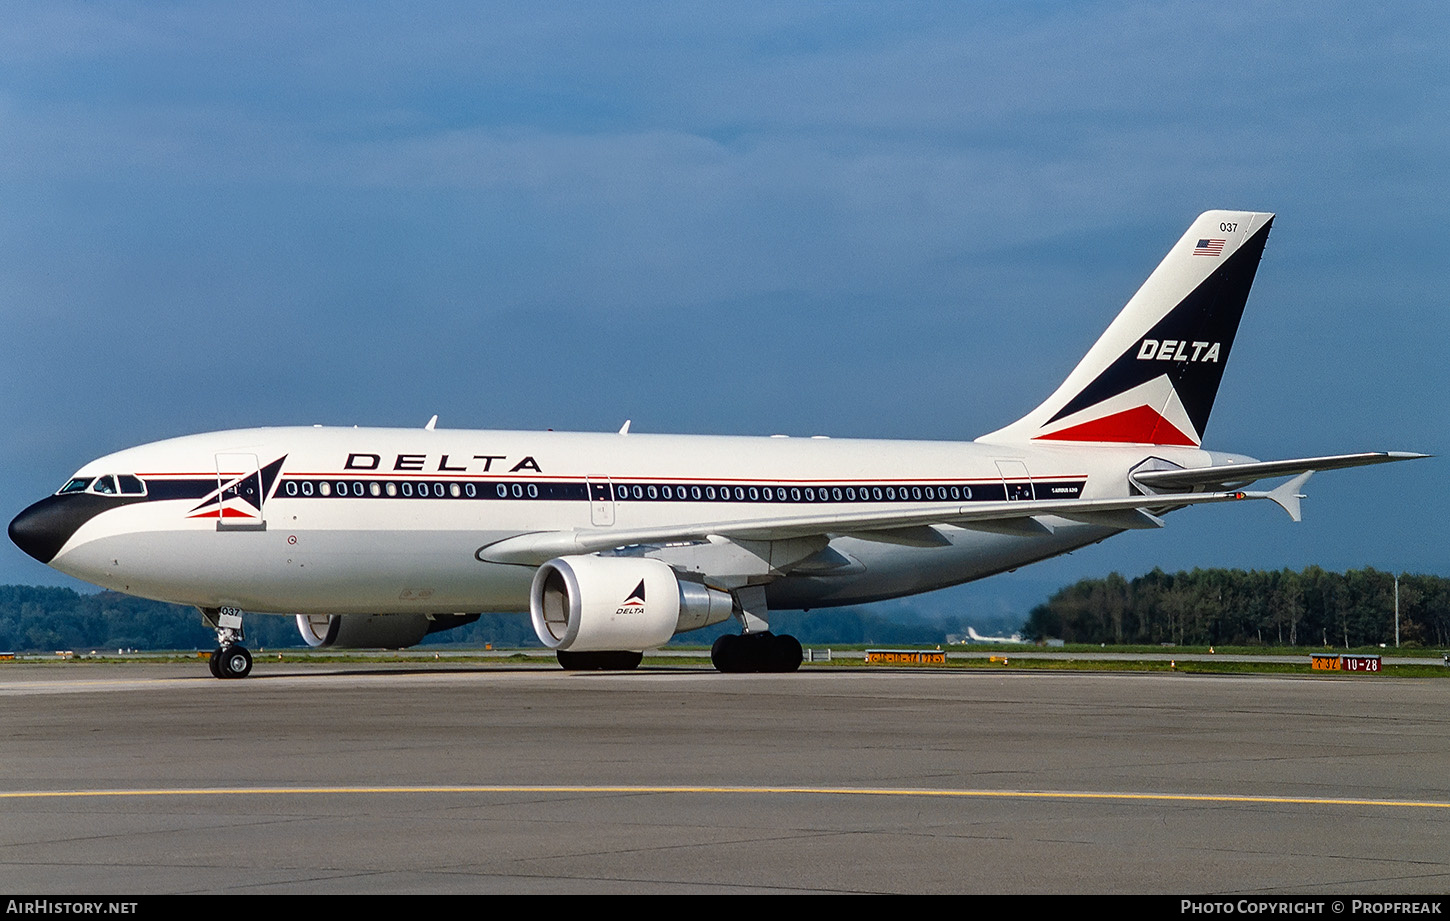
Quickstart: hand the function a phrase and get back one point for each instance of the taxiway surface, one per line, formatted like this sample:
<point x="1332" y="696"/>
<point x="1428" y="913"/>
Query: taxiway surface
<point x="491" y="778"/>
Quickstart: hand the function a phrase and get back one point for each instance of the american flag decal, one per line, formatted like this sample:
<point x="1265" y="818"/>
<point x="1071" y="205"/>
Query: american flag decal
<point x="1209" y="248"/>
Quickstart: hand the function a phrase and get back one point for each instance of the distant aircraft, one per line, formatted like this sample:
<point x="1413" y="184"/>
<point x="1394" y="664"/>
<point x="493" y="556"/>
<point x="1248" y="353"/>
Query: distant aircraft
<point x="978" y="638"/>
<point x="616" y="542"/>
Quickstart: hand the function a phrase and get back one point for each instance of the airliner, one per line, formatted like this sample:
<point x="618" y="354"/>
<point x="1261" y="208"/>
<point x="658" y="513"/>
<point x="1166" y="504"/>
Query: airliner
<point x="976" y="637"/>
<point x="615" y="542"/>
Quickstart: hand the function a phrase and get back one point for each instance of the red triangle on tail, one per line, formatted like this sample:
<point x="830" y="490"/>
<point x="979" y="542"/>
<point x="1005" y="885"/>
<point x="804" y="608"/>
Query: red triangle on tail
<point x="1140" y="425"/>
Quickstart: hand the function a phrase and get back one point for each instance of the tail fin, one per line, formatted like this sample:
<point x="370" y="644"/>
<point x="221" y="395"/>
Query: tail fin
<point x="1152" y="376"/>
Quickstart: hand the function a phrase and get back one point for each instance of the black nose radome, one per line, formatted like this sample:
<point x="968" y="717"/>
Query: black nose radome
<point x="43" y="529"/>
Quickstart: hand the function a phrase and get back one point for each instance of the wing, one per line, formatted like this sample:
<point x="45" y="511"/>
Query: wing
<point x="1018" y="516"/>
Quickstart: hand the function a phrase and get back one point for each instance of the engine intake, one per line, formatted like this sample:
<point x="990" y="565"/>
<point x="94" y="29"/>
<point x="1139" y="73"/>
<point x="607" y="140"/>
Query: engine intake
<point x="593" y="603"/>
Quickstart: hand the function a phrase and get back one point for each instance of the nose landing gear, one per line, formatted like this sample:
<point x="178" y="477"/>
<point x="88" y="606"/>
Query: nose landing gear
<point x="231" y="662"/>
<point x="230" y="659"/>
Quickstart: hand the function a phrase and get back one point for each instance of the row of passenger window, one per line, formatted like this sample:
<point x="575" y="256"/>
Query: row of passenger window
<point x="656" y="492"/>
<point x="423" y="489"/>
<point x="129" y="485"/>
<point x="724" y="493"/>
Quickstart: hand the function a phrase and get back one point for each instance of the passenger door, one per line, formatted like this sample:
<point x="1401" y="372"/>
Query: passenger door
<point x="601" y="501"/>
<point x="240" y="494"/>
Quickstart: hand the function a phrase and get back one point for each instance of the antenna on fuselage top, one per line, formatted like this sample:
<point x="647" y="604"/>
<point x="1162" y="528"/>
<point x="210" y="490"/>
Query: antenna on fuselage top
<point x="431" y="422"/>
<point x="624" y="429"/>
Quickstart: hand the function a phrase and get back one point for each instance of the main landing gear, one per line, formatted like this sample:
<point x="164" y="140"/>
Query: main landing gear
<point x="230" y="659"/>
<point x="599" y="661"/>
<point x="756" y="652"/>
<point x="755" y="649"/>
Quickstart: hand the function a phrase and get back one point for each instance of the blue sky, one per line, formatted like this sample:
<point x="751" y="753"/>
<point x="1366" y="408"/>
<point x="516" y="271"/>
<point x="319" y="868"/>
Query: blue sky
<point x="872" y="220"/>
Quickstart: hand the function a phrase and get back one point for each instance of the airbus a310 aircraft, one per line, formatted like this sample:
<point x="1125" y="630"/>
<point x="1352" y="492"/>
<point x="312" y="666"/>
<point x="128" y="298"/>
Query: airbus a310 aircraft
<point x="616" y="542"/>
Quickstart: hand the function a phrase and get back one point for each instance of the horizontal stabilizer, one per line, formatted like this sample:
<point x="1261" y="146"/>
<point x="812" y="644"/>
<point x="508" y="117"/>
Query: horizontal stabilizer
<point x="1230" y="476"/>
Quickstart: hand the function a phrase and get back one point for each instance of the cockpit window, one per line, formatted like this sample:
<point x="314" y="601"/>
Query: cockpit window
<point x="121" y="484"/>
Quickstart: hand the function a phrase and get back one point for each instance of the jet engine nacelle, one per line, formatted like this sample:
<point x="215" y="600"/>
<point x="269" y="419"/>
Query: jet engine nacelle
<point x="374" y="631"/>
<point x="596" y="603"/>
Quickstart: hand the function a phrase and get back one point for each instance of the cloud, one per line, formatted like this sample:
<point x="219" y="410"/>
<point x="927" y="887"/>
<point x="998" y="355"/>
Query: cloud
<point x="906" y="220"/>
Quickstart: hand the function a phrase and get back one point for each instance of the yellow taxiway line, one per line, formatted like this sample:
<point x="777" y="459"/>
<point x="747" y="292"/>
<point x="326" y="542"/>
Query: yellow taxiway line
<point x="720" y="791"/>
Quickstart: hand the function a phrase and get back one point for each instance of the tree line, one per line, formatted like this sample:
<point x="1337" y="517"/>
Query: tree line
<point x="45" y="619"/>
<point x="1234" y="607"/>
<point x="1205" y="607"/>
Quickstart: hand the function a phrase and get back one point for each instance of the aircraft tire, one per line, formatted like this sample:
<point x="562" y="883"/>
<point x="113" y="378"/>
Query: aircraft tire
<point x="788" y="653"/>
<point x="215" y="662"/>
<point x="236" y="662"/>
<point x="621" y="661"/>
<point x="756" y="652"/>
<point x="729" y="654"/>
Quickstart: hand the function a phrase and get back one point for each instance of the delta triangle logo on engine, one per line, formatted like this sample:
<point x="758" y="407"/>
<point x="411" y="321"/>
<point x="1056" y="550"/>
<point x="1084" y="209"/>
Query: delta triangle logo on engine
<point x="634" y="604"/>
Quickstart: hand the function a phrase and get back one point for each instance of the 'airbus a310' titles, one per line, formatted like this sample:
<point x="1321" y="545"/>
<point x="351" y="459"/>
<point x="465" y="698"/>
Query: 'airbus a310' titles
<point x="616" y="542"/>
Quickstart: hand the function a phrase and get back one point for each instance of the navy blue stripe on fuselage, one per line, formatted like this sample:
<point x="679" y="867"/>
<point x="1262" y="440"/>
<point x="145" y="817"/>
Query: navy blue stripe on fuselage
<point x="632" y="490"/>
<point x="44" y="528"/>
<point x="158" y="490"/>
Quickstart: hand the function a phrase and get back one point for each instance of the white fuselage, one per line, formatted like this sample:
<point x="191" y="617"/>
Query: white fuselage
<point x="356" y="520"/>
